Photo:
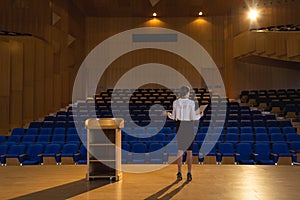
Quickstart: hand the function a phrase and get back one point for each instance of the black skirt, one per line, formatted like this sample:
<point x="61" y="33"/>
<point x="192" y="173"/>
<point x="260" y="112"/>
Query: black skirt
<point x="185" y="135"/>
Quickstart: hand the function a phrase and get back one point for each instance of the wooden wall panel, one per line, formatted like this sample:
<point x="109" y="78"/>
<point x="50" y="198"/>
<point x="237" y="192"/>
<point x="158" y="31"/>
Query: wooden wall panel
<point x="49" y="76"/>
<point x="16" y="79"/>
<point x="208" y="32"/>
<point x="39" y="87"/>
<point x="57" y="83"/>
<point x="4" y="86"/>
<point x="28" y="79"/>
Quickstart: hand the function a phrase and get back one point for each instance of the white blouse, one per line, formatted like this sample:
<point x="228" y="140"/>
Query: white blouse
<point x="184" y="110"/>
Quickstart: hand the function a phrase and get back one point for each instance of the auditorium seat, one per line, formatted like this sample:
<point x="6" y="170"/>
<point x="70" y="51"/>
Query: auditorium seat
<point x="67" y="155"/>
<point x="81" y="157"/>
<point x="262" y="154"/>
<point x="277" y="137"/>
<point x="247" y="138"/>
<point x="225" y="150"/>
<point x="50" y="155"/>
<point x="58" y="139"/>
<point x="2" y="139"/>
<point x="244" y="154"/>
<point x="46" y="131"/>
<point x="262" y="138"/>
<point x="207" y="153"/>
<point x="139" y="151"/>
<point x="13" y="153"/>
<point x="157" y="154"/>
<point x="18" y="131"/>
<point x="3" y="152"/>
<point x="281" y="151"/>
<point x="32" y="156"/>
<point x="32" y="131"/>
<point x="43" y="139"/>
<point x="28" y="139"/>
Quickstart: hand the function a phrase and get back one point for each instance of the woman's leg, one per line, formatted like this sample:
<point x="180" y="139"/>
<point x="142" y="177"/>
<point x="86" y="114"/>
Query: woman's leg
<point x="189" y="159"/>
<point x="179" y="160"/>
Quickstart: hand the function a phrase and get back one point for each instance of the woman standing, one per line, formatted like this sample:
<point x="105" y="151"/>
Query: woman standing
<point x="184" y="114"/>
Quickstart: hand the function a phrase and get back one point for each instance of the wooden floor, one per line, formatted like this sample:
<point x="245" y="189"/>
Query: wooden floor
<point x="209" y="182"/>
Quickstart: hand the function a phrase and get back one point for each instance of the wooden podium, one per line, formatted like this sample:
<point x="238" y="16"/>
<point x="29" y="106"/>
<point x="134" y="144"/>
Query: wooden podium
<point x="103" y="138"/>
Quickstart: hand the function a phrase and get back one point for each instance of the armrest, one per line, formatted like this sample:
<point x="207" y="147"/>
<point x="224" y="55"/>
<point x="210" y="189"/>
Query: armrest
<point x="22" y="155"/>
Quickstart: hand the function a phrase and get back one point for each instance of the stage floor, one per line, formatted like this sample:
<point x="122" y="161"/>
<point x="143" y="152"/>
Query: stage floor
<point x="209" y="182"/>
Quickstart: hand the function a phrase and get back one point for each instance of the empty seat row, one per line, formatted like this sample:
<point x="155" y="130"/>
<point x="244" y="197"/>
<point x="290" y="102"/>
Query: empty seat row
<point x="38" y="154"/>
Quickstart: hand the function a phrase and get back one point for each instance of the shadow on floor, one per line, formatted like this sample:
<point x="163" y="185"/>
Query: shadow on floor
<point x="165" y="189"/>
<point x="65" y="191"/>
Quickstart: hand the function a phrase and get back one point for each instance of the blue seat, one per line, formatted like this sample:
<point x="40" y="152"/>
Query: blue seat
<point x="292" y="137"/>
<point x="196" y="148"/>
<point x="199" y="138"/>
<point x="166" y="130"/>
<point x="59" y="131"/>
<point x="244" y="154"/>
<point x="245" y="123"/>
<point x="58" y="139"/>
<point x="81" y="157"/>
<point x="35" y="124"/>
<point x="273" y="130"/>
<point x="246" y="129"/>
<point x="272" y="123"/>
<point x="28" y="139"/>
<point x="72" y="131"/>
<point x="233" y="130"/>
<point x="46" y="131"/>
<point x="152" y="130"/>
<point x="262" y="137"/>
<point x="287" y="130"/>
<point x="139" y="151"/>
<point x="281" y="150"/>
<point x="277" y="137"/>
<point x="232" y="138"/>
<point x="73" y="139"/>
<point x="48" y="124"/>
<point x="225" y="149"/>
<point x="160" y="138"/>
<point x="49" y="118"/>
<point x="295" y="149"/>
<point x="172" y="149"/>
<point x="18" y="131"/>
<point x="3" y="152"/>
<point x="258" y="123"/>
<point x="157" y="154"/>
<point x="2" y="139"/>
<point x="260" y="130"/>
<point x="262" y="154"/>
<point x="32" y="131"/>
<point x="13" y="152"/>
<point x="52" y="151"/>
<point x="247" y="138"/>
<point x="43" y="139"/>
<point x="207" y="153"/>
<point x="14" y="139"/>
<point x="68" y="151"/>
<point x="32" y="156"/>
<point x="61" y="124"/>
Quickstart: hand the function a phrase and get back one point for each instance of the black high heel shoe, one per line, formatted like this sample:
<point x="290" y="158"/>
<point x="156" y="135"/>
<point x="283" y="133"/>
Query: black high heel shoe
<point x="179" y="176"/>
<point x="189" y="177"/>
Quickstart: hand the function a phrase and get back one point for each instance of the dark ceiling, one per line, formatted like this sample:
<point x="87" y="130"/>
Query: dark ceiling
<point x="164" y="8"/>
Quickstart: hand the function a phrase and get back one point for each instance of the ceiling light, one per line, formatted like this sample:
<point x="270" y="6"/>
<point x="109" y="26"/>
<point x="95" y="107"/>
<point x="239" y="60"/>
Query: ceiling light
<point x="200" y="13"/>
<point x="253" y="14"/>
<point x="154" y="14"/>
